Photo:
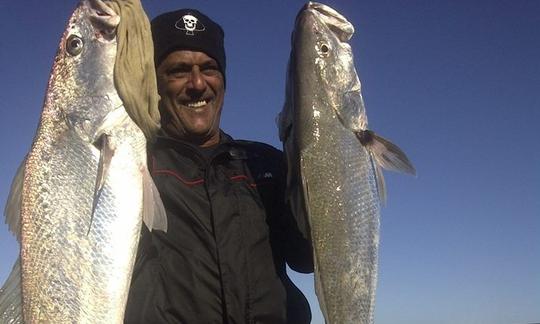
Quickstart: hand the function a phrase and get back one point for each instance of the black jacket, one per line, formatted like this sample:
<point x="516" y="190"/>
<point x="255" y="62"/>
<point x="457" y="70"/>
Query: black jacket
<point x="229" y="236"/>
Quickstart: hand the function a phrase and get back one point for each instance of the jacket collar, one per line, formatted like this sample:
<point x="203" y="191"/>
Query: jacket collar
<point x="227" y="144"/>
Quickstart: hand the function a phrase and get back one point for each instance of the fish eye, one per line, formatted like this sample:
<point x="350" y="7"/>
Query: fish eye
<point x="323" y="49"/>
<point x="74" y="45"/>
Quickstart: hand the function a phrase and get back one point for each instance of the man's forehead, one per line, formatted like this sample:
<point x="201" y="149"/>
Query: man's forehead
<point x="189" y="57"/>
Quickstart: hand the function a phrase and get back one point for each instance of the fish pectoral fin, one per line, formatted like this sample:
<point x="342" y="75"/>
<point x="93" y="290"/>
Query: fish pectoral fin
<point x="154" y="215"/>
<point x="12" y="211"/>
<point x="11" y="297"/>
<point x="106" y="149"/>
<point x="386" y="154"/>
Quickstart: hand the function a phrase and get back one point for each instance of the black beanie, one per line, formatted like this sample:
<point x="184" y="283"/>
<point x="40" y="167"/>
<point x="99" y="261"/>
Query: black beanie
<point x="188" y="29"/>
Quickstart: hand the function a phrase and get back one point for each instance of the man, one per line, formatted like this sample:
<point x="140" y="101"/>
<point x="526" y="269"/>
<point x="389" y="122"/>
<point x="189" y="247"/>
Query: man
<point x="229" y="234"/>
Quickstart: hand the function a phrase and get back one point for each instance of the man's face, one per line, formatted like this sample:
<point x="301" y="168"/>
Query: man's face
<point x="191" y="88"/>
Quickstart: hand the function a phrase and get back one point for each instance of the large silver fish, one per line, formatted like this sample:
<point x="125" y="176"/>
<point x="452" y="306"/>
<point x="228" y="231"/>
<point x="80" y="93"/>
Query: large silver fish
<point x="334" y="164"/>
<point x="78" y="200"/>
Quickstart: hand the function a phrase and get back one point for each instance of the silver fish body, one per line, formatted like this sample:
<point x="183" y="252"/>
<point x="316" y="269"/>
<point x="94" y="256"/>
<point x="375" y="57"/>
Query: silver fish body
<point x="334" y="174"/>
<point x="82" y="188"/>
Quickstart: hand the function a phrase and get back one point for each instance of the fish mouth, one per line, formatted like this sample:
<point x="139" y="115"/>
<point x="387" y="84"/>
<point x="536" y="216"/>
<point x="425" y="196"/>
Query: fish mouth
<point x="104" y="19"/>
<point x="314" y="13"/>
<point x="306" y="16"/>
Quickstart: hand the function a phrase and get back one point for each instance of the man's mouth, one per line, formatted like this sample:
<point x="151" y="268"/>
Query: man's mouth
<point x="196" y="104"/>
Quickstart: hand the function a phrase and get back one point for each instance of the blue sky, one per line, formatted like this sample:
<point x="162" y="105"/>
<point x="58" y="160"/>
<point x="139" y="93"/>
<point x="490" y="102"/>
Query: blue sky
<point x="454" y="83"/>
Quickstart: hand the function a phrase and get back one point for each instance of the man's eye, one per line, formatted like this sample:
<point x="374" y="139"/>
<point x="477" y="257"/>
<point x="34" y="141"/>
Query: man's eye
<point x="177" y="71"/>
<point x="210" y="70"/>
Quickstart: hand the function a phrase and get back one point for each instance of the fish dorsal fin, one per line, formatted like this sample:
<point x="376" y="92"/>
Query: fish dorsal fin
<point x="12" y="210"/>
<point x="284" y="125"/>
<point x="11" y="297"/>
<point x="284" y="119"/>
<point x="154" y="215"/>
<point x="319" y="290"/>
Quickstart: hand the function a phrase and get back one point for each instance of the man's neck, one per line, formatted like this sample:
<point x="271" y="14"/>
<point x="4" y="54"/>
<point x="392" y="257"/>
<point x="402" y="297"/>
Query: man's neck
<point x="200" y="141"/>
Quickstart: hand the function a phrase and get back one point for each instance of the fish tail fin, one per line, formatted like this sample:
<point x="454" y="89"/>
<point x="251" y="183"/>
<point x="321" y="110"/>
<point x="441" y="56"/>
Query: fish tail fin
<point x="154" y="215"/>
<point x="386" y="155"/>
<point x="11" y="297"/>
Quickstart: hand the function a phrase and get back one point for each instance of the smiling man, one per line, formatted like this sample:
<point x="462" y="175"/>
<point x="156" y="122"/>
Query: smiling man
<point x="229" y="233"/>
<point x="192" y="89"/>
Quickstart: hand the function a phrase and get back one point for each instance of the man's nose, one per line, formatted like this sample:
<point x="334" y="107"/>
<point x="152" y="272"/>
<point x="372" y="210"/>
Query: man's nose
<point x="197" y="81"/>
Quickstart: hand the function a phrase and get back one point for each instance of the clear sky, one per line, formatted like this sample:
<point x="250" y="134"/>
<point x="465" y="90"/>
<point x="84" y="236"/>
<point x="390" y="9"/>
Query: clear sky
<point x="455" y="83"/>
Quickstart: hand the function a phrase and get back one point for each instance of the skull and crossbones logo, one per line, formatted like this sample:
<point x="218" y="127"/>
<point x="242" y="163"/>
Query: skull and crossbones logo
<point x="190" y="24"/>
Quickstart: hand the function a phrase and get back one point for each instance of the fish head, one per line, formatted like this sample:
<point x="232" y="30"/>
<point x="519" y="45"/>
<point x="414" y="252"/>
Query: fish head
<point x="81" y="87"/>
<point x="324" y="62"/>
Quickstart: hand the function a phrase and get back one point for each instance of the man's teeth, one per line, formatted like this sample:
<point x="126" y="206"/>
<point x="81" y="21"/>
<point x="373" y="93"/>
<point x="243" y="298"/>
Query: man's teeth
<point x="196" y="104"/>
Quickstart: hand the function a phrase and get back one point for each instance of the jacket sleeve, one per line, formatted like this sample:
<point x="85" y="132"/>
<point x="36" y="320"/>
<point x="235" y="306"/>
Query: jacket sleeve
<point x="289" y="231"/>
<point x="297" y="247"/>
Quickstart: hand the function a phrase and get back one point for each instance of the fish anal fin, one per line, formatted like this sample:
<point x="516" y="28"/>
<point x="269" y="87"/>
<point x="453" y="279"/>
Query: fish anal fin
<point x="154" y="214"/>
<point x="12" y="211"/>
<point x="11" y="297"/>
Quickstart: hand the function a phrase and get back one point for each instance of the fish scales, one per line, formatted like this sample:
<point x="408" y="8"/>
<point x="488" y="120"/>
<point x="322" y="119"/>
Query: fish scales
<point x="85" y="184"/>
<point x="334" y="163"/>
<point x="85" y="264"/>
<point x="61" y="245"/>
<point x="344" y="219"/>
